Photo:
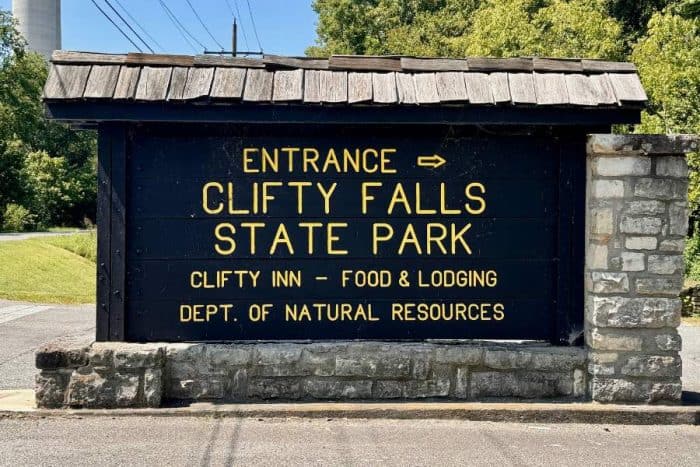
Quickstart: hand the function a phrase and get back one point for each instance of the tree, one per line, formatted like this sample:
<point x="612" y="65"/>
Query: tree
<point x="390" y="26"/>
<point x="62" y="188"/>
<point x="554" y="28"/>
<point x="11" y="41"/>
<point x="467" y="27"/>
<point x="634" y="15"/>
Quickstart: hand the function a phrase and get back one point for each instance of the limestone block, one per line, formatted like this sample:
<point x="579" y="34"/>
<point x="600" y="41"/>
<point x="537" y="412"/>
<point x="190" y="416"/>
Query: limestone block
<point x="606" y="389"/>
<point x="368" y="365"/>
<point x="274" y="388"/>
<point x="152" y="387"/>
<point x="277" y="354"/>
<point x="678" y="219"/>
<point x="239" y="384"/>
<point x="329" y="388"/>
<point x="220" y="356"/>
<point x="608" y="189"/>
<point x="558" y="359"/>
<point x="609" y="282"/>
<point x="666" y="264"/>
<point x="520" y="384"/>
<point x="659" y="285"/>
<point x="579" y="383"/>
<point x="621" y="166"/>
<point x="611" y="339"/>
<point x="626" y="312"/>
<point x="602" y="363"/>
<point x="641" y="243"/>
<point x="103" y="389"/>
<point x="645" y="207"/>
<point x="388" y="390"/>
<point x="126" y="390"/>
<point x="597" y="256"/>
<point x="61" y="355"/>
<point x="203" y="387"/>
<point x="50" y="387"/>
<point x="459" y="354"/>
<point x="462" y="383"/>
<point x="668" y="341"/>
<point x="634" y="144"/>
<point x="132" y="356"/>
<point x="654" y="188"/>
<point x="652" y="366"/>
<point x="665" y="391"/>
<point x="507" y="359"/>
<point x="672" y="166"/>
<point x="89" y="390"/>
<point x="677" y="245"/>
<point x="439" y="387"/>
<point x="640" y="225"/>
<point x="632" y="261"/>
<point x="317" y="362"/>
<point x="602" y="221"/>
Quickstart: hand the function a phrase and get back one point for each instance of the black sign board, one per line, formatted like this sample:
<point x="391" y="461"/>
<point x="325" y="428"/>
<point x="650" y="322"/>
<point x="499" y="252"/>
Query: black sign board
<point x="264" y="235"/>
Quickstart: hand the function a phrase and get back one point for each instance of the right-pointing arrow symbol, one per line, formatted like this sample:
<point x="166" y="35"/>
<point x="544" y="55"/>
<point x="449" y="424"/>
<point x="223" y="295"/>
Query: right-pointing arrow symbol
<point x="432" y="162"/>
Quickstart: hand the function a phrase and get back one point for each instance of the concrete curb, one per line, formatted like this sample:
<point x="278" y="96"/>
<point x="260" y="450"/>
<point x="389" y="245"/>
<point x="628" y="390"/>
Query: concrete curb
<point x="18" y="406"/>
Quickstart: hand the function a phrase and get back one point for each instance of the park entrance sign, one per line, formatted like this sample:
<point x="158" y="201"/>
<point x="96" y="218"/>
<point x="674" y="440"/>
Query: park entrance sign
<point x="349" y="198"/>
<point x="373" y="228"/>
<point x="358" y="235"/>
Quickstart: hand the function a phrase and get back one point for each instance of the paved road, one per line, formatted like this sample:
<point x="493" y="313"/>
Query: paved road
<point x="199" y="441"/>
<point x="691" y="360"/>
<point x="24" y="327"/>
<point x="8" y="237"/>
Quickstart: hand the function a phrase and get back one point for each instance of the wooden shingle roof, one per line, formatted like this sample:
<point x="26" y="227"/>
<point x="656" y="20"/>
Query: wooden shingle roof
<point x="343" y="80"/>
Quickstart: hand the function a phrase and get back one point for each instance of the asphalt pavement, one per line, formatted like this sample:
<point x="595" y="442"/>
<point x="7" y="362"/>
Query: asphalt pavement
<point x="24" y="327"/>
<point x="197" y="441"/>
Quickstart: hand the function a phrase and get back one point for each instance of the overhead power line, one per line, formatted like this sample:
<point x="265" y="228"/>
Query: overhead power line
<point x="139" y="26"/>
<point x="180" y="27"/>
<point x="129" y="26"/>
<point x="204" y="25"/>
<point x="116" y="25"/>
<point x="252" y="21"/>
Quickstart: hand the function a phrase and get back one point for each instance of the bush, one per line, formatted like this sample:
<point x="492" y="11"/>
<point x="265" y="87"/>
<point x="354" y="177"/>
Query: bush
<point x="692" y="254"/>
<point x="17" y="218"/>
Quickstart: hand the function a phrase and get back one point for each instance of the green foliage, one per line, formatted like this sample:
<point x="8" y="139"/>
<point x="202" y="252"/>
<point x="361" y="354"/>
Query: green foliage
<point x="11" y="41"/>
<point x="44" y="166"/>
<point x="17" y="218"/>
<point x="634" y="15"/>
<point x="555" y="28"/>
<point x="692" y="256"/>
<point x="467" y="27"/>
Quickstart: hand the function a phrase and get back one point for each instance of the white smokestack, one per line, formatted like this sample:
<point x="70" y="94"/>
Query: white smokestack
<point x="39" y="23"/>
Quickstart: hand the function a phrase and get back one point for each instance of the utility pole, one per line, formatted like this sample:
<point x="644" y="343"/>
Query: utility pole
<point x="234" y="43"/>
<point x="234" y="38"/>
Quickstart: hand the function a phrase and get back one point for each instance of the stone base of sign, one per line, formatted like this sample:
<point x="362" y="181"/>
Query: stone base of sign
<point x="106" y="375"/>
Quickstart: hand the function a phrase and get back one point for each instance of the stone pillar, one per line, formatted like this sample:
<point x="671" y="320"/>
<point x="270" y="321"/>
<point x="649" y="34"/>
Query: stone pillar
<point x="636" y="226"/>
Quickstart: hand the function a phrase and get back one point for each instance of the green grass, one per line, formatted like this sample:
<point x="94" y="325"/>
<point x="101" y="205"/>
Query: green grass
<point x="49" y="270"/>
<point x="62" y="229"/>
<point x="82" y="244"/>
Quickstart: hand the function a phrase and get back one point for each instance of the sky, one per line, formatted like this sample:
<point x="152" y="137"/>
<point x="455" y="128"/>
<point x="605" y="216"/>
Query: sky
<point x="285" y="27"/>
